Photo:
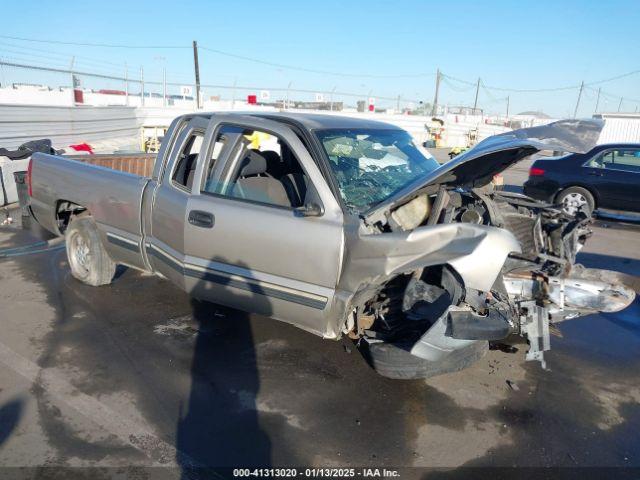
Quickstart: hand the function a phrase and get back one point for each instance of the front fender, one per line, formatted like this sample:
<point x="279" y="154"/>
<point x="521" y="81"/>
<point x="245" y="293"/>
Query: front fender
<point x="476" y="252"/>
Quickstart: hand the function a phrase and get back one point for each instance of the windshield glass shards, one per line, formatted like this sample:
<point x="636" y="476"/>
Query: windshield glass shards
<point x="370" y="165"/>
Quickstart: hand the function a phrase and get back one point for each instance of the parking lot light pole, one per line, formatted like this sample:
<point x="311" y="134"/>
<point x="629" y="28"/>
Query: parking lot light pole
<point x="434" y="109"/>
<point x="196" y="66"/>
<point x="164" y="87"/>
<point x="126" y="84"/>
<point x="575" y="112"/>
<point x="141" y="87"/>
<point x="286" y="107"/>
<point x="475" y="102"/>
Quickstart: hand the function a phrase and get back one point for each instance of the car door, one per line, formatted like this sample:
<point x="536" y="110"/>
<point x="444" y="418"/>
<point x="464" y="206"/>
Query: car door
<point x="615" y="174"/>
<point x="244" y="251"/>
<point x="164" y="242"/>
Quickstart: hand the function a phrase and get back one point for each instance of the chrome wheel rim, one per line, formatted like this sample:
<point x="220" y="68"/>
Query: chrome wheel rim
<point x="80" y="257"/>
<point x="572" y="203"/>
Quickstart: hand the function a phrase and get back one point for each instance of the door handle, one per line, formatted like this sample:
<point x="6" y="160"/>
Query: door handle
<point x="595" y="174"/>
<point x="201" y="219"/>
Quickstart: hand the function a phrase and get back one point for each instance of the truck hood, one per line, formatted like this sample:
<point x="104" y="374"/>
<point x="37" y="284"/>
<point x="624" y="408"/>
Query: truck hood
<point x="477" y="166"/>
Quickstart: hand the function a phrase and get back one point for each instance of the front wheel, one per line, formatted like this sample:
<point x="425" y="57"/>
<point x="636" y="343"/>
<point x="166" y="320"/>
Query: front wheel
<point x="575" y="199"/>
<point x="89" y="261"/>
<point x="394" y="360"/>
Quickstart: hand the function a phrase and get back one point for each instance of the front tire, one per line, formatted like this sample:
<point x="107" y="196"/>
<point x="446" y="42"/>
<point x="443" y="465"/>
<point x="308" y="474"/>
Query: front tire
<point x="574" y="199"/>
<point x="89" y="261"/>
<point x="394" y="360"/>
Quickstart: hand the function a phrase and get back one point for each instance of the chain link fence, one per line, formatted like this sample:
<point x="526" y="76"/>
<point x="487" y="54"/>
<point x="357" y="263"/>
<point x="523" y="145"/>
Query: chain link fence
<point x="60" y="86"/>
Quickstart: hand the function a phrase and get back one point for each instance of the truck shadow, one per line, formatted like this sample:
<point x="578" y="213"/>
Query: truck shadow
<point x="10" y="415"/>
<point x="219" y="426"/>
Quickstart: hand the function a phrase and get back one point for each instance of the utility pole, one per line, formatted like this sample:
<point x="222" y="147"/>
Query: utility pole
<point x="434" y="109"/>
<point x="475" y="102"/>
<point x="398" y="104"/>
<point x="620" y="104"/>
<point x="575" y="112"/>
<point x="507" y="107"/>
<point x="197" y="69"/>
<point x="141" y="86"/>
<point x="598" y="99"/>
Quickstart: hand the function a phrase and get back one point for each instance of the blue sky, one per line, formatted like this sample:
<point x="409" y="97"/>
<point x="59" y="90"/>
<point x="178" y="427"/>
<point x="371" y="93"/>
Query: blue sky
<point x="517" y="45"/>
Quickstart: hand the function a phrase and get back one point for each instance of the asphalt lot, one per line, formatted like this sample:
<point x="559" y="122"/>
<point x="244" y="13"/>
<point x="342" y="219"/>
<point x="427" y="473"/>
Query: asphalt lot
<point x="138" y="374"/>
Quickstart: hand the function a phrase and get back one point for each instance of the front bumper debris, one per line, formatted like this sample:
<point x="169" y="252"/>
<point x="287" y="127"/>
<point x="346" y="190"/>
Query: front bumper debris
<point x="542" y="300"/>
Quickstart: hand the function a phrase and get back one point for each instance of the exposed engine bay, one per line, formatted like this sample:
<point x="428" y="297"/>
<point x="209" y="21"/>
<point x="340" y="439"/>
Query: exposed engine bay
<point x="434" y="309"/>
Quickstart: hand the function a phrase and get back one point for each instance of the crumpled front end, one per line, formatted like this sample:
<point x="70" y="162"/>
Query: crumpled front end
<point x="451" y="262"/>
<point x="445" y="286"/>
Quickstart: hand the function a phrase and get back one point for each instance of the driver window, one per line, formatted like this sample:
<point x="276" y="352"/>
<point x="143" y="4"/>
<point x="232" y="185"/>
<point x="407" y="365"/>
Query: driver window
<point x="264" y="169"/>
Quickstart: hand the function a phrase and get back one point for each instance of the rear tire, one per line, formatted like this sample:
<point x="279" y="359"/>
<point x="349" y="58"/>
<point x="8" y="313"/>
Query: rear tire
<point x="574" y="198"/>
<point x="394" y="360"/>
<point x="89" y="261"/>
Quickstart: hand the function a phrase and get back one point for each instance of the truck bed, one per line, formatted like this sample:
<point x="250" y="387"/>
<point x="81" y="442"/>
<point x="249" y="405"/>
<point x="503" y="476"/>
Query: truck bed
<point x="137" y="164"/>
<point x="109" y="186"/>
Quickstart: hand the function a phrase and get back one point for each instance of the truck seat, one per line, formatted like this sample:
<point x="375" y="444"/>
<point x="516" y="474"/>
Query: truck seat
<point x="296" y="186"/>
<point x="275" y="165"/>
<point x="254" y="183"/>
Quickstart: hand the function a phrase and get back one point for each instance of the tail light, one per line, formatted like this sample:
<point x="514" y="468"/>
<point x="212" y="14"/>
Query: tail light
<point x="30" y="190"/>
<point x="536" y="172"/>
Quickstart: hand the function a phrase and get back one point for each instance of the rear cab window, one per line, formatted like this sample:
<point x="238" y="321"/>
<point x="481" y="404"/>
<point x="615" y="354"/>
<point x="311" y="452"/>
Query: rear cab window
<point x="185" y="167"/>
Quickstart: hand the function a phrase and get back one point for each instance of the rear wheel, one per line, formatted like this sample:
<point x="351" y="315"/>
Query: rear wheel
<point x="394" y="360"/>
<point x="574" y="199"/>
<point x="89" y="261"/>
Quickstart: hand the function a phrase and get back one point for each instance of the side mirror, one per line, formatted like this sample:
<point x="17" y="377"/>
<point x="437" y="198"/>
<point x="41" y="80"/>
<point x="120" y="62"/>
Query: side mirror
<point x="310" y="209"/>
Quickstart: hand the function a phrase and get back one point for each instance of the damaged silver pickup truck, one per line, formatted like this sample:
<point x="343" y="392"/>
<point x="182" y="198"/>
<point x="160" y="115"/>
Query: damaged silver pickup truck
<point x="339" y="226"/>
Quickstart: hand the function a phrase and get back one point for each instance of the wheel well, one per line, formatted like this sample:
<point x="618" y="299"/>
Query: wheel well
<point x="65" y="211"/>
<point x="588" y="189"/>
<point x="387" y="312"/>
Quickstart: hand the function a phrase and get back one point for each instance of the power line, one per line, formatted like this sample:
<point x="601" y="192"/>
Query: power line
<point x="87" y="44"/>
<point x="60" y="54"/>
<point x="34" y="57"/>
<point x="219" y="52"/>
<point x="310" y="70"/>
<point x="516" y="90"/>
<point x="613" y="96"/>
<point x="227" y="87"/>
<point x="323" y="72"/>
<point x="611" y="79"/>
<point x="486" y="88"/>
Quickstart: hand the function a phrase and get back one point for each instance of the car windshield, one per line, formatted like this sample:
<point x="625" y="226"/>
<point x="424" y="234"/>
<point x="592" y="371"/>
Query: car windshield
<point x="371" y="165"/>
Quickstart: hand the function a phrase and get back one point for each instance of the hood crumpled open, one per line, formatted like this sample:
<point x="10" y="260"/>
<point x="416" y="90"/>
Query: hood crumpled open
<point x="476" y="167"/>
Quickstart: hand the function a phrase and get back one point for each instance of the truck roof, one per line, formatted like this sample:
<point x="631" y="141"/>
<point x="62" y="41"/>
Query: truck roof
<point x="312" y="121"/>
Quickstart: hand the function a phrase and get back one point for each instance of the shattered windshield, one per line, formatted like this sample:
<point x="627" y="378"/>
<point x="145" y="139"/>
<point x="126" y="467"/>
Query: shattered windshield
<point x="371" y="165"/>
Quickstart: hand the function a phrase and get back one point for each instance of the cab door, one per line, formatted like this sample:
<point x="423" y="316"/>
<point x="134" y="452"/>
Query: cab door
<point x="164" y="242"/>
<point x="253" y="253"/>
